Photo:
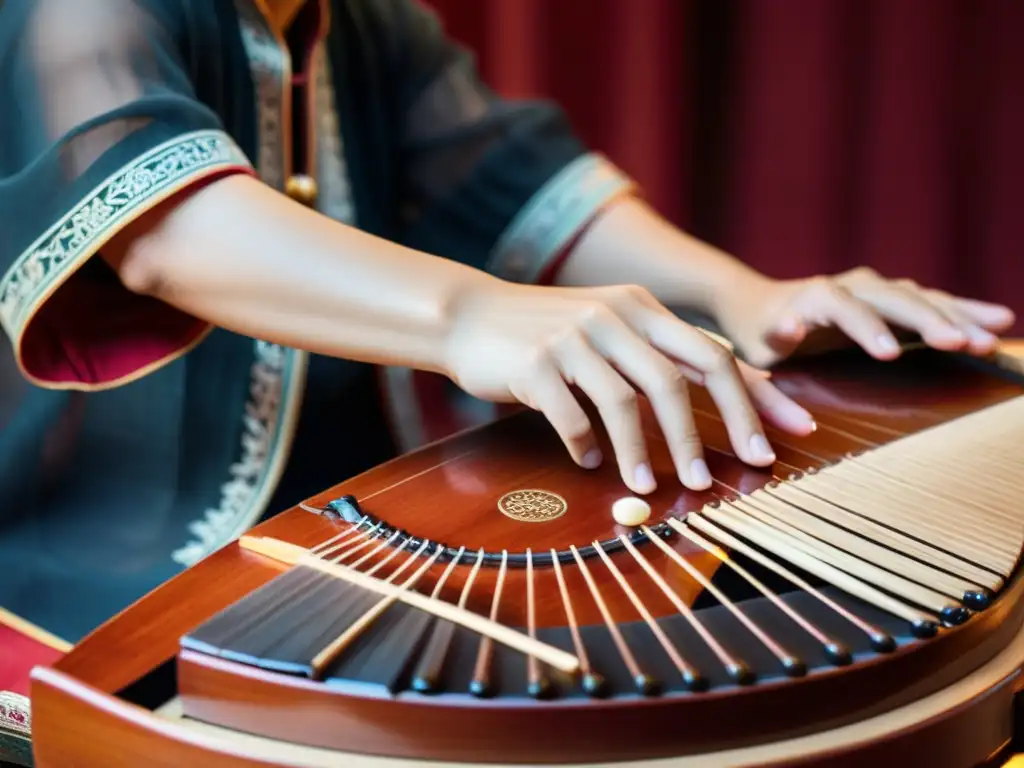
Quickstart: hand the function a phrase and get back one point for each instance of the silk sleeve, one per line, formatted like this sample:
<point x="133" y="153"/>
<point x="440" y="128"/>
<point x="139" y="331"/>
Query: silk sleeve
<point x="100" y="124"/>
<point x="499" y="184"/>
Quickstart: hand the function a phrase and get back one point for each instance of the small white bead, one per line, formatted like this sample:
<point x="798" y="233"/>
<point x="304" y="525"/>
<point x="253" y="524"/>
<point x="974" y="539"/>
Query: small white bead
<point x="631" y="511"/>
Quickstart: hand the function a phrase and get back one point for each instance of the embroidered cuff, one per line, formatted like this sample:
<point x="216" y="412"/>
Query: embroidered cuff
<point x="15" y="729"/>
<point x="77" y="342"/>
<point x="554" y="215"/>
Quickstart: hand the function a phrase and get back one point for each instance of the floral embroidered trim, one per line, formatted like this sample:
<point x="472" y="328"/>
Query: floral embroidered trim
<point x="102" y="212"/>
<point x="278" y="374"/>
<point x="273" y="384"/>
<point x="554" y="215"/>
<point x="335" y="198"/>
<point x="15" y="714"/>
<point x="15" y="728"/>
<point x="271" y="71"/>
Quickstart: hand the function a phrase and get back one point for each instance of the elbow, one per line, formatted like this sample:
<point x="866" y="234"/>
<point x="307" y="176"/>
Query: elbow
<point x="141" y="273"/>
<point x="139" y="254"/>
<point x="139" y="261"/>
<point x="154" y="254"/>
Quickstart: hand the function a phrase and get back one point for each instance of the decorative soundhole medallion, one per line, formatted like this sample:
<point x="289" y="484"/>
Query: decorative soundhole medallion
<point x="532" y="506"/>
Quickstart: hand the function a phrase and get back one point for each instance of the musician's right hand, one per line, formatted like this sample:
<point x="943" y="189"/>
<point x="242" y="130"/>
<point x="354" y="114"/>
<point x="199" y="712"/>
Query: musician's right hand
<point x="510" y="342"/>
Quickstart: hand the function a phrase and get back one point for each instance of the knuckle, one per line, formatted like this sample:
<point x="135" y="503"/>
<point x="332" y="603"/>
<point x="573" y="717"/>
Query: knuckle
<point x="537" y="360"/>
<point x="862" y="273"/>
<point x="576" y="428"/>
<point x="596" y="313"/>
<point x="623" y="398"/>
<point x="836" y="295"/>
<point x="821" y="285"/>
<point x="669" y="382"/>
<point x="721" y="359"/>
<point x="833" y="288"/>
<point x="691" y="443"/>
<point x="636" y="293"/>
<point x="564" y="341"/>
<point x="907" y="284"/>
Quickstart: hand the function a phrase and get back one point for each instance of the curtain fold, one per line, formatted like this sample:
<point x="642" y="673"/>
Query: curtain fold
<point x="807" y="139"/>
<point x="618" y="72"/>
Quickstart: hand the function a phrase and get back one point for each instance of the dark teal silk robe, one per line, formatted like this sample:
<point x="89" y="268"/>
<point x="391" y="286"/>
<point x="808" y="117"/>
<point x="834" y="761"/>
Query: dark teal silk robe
<point x="135" y="439"/>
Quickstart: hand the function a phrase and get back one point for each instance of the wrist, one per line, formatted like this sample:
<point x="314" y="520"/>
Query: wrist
<point x="628" y="242"/>
<point x="732" y="284"/>
<point x="462" y="304"/>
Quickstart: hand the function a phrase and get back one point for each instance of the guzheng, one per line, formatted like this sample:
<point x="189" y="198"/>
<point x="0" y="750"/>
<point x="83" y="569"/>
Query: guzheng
<point x="475" y="602"/>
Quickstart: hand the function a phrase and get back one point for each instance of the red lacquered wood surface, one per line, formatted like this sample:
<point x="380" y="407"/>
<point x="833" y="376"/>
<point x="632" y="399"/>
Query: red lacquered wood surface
<point x="448" y="492"/>
<point x="964" y="726"/>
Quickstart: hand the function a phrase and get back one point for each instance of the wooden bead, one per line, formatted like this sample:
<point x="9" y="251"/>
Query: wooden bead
<point x="631" y="511"/>
<point x="302" y="189"/>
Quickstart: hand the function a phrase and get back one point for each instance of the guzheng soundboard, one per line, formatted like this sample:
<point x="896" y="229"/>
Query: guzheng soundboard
<point x="476" y="601"/>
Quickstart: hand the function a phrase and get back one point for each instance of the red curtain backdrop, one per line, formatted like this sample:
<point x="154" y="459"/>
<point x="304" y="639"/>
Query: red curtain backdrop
<point x="806" y="136"/>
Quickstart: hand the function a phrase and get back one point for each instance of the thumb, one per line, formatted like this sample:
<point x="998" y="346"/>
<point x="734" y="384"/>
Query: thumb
<point x="785" y="334"/>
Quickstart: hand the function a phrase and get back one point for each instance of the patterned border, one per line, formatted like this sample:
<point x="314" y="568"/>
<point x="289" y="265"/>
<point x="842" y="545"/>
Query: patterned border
<point x="15" y="728"/>
<point x="120" y="198"/>
<point x="277" y="381"/>
<point x="278" y="374"/>
<point x="270" y="66"/>
<point x="335" y="198"/>
<point x="15" y="714"/>
<point x="554" y="215"/>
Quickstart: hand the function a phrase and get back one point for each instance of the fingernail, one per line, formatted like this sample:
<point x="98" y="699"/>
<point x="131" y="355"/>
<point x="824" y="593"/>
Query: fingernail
<point x="644" y="477"/>
<point x="700" y="476"/>
<point x="791" y="325"/>
<point x="887" y="343"/>
<point x="980" y="335"/>
<point x="592" y="459"/>
<point x="810" y="421"/>
<point x="761" y="449"/>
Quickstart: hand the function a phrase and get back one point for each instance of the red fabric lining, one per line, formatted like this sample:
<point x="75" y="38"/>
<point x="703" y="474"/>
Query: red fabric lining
<point x="94" y="331"/>
<point x="18" y="655"/>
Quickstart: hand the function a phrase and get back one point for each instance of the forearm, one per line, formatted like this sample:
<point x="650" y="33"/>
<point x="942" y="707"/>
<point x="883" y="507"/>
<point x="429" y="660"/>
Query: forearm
<point x="630" y="243"/>
<point x="243" y="257"/>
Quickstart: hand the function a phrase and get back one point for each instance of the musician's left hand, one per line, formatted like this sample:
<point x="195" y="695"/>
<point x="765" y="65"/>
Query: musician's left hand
<point x="769" y="319"/>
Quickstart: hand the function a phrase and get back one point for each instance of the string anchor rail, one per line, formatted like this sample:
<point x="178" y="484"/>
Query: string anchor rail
<point x="294" y="555"/>
<point x="348" y="510"/>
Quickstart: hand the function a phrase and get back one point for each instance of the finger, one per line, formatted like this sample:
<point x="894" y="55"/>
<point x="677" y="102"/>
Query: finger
<point x="980" y="320"/>
<point x="665" y="385"/>
<point x="548" y="393"/>
<point x="790" y="330"/>
<point x="721" y="378"/>
<point x="992" y="317"/>
<point x="978" y="340"/>
<point x="856" y="319"/>
<point x="616" y="401"/>
<point x="780" y="340"/>
<point x="774" y="405"/>
<point x="907" y="306"/>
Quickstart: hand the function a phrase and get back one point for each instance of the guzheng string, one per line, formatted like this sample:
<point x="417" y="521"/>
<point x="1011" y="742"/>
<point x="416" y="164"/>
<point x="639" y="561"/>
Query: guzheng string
<point x="299" y="556"/>
<point x="902" y="526"/>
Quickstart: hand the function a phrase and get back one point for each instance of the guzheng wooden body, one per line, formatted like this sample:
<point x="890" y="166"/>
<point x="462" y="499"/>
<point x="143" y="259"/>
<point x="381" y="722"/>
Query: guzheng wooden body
<point x="475" y="601"/>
